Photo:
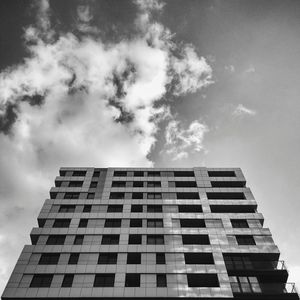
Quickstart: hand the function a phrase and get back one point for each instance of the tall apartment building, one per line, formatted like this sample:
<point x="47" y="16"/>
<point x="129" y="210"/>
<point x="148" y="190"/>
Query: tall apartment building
<point x="136" y="233"/>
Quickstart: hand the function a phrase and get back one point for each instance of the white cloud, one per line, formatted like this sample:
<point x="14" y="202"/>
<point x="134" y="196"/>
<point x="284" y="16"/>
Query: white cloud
<point x="180" y="142"/>
<point x="82" y="102"/>
<point x="250" y="69"/>
<point x="230" y="68"/>
<point x="242" y="110"/>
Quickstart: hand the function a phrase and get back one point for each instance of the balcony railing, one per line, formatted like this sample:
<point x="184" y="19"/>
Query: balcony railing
<point x="256" y="265"/>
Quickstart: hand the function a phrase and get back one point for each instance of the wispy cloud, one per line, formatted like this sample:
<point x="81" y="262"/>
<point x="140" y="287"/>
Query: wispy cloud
<point x="242" y="110"/>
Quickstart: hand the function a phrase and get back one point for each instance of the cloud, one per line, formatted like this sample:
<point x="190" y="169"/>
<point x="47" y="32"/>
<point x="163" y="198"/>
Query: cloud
<point x="251" y="69"/>
<point x="230" y="68"/>
<point x="79" y="101"/>
<point x="84" y="18"/>
<point x="242" y="110"/>
<point x="180" y="142"/>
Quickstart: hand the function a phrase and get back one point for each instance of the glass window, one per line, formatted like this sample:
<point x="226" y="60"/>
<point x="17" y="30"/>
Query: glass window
<point x="104" y="280"/>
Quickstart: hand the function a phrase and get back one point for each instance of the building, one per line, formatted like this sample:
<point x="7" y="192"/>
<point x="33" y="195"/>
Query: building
<point x="136" y="233"/>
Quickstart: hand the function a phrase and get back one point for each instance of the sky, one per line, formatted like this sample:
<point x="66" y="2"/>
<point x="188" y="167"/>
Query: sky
<point x="149" y="83"/>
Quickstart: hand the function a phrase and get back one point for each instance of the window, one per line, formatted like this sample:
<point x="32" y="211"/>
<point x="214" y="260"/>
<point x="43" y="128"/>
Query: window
<point x="136" y="223"/>
<point x="155" y="223"/>
<point x="214" y="223"/>
<point x="187" y="195"/>
<point x="68" y="280"/>
<point x="167" y="174"/>
<point x="138" y="184"/>
<point x="75" y="184"/>
<point x="133" y="258"/>
<point x="104" y="280"/>
<point x="41" y="280"/>
<point x="67" y="208"/>
<point x="71" y="195"/>
<point x="195" y="239"/>
<point x="189" y="208"/>
<point x="153" y="174"/>
<point x="112" y="223"/>
<point x="237" y="223"/>
<point x="233" y="208"/>
<point x="242" y="262"/>
<point x="225" y="195"/>
<point x="245" y="240"/>
<point x="83" y="222"/>
<point x="153" y="195"/>
<point x="49" y="259"/>
<point x="73" y="259"/>
<point x="87" y="208"/>
<point x="137" y="196"/>
<point x="110" y="239"/>
<point x="93" y="184"/>
<point x="116" y="195"/>
<point x="78" y="240"/>
<point x="154" y="208"/>
<point x="160" y="258"/>
<point x="153" y="184"/>
<point x="244" y="284"/>
<point x="221" y="173"/>
<point x="136" y="208"/>
<point x="138" y="174"/>
<point x="58" y="223"/>
<point x="56" y="240"/>
<point x="198" y="258"/>
<point x="118" y="184"/>
<point x="230" y="184"/>
<point x="203" y="280"/>
<point x="107" y="258"/>
<point x="96" y="174"/>
<point x="114" y="208"/>
<point x="184" y="174"/>
<point x="185" y="184"/>
<point x="120" y="173"/>
<point x="90" y="195"/>
<point x="132" y="280"/>
<point x="161" y="280"/>
<point x="155" y="239"/>
<point x="135" y="239"/>
<point x="197" y="223"/>
<point x="79" y="173"/>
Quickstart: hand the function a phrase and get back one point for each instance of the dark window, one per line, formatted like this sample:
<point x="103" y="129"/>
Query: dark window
<point x="185" y="184"/>
<point x="245" y="240"/>
<point x="242" y="262"/>
<point x="189" y="208"/>
<point x="160" y="258"/>
<point x="161" y="280"/>
<point x="153" y="173"/>
<point x="56" y="240"/>
<point x="237" y="223"/>
<point x="154" y="208"/>
<point x="116" y="195"/>
<point x="187" y="195"/>
<point x="68" y="280"/>
<point x="73" y="259"/>
<point x="107" y="258"/>
<point x="120" y="173"/>
<point x="78" y="239"/>
<point x="132" y="280"/>
<point x="221" y="173"/>
<point x="71" y="195"/>
<point x="136" y="223"/>
<point x="41" y="280"/>
<point x="114" y="208"/>
<point x="104" y="280"/>
<point x="203" y="280"/>
<point x="192" y="223"/>
<point x="232" y="208"/>
<point x="154" y="196"/>
<point x="198" y="258"/>
<point x="112" y="223"/>
<point x="138" y="184"/>
<point x="225" y="195"/>
<point x="152" y="184"/>
<point x="93" y="184"/>
<point x="59" y="183"/>
<point x="49" y="259"/>
<point x="118" y="184"/>
<point x="83" y="222"/>
<point x="90" y="195"/>
<point x="133" y="258"/>
<point x="155" y="223"/>
<point x="67" y="208"/>
<point x="87" y="208"/>
<point x="61" y="223"/>
<point x="110" y="239"/>
<point x="155" y="239"/>
<point x="184" y="174"/>
<point x="75" y="184"/>
<point x="137" y="195"/>
<point x="79" y="173"/>
<point x="138" y="174"/>
<point x="135" y="239"/>
<point x="136" y="208"/>
<point x="195" y="239"/>
<point x="244" y="284"/>
<point x="230" y="184"/>
<point x="96" y="174"/>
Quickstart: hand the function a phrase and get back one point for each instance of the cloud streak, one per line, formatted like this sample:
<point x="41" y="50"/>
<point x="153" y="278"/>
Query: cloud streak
<point x="241" y="111"/>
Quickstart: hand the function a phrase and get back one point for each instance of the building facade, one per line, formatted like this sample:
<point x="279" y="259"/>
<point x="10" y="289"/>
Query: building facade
<point x="138" y="232"/>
